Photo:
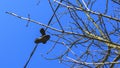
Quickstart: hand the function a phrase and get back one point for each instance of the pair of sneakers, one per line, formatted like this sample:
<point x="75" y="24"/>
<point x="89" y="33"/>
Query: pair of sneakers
<point x="44" y="38"/>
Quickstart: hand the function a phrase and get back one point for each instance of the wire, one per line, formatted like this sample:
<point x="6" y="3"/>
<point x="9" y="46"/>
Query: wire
<point x="54" y="14"/>
<point x="31" y="55"/>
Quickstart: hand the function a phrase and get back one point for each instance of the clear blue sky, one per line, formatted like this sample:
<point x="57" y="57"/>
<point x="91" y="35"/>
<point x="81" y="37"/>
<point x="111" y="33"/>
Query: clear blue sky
<point x="17" y="40"/>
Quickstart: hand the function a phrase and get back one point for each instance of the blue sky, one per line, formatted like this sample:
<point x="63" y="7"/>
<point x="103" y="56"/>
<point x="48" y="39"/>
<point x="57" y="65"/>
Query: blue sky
<point x="17" y="40"/>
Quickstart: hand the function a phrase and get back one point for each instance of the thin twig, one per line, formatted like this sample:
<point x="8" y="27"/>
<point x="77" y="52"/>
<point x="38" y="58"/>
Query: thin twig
<point x="93" y="12"/>
<point x="86" y="63"/>
<point x="89" y="35"/>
